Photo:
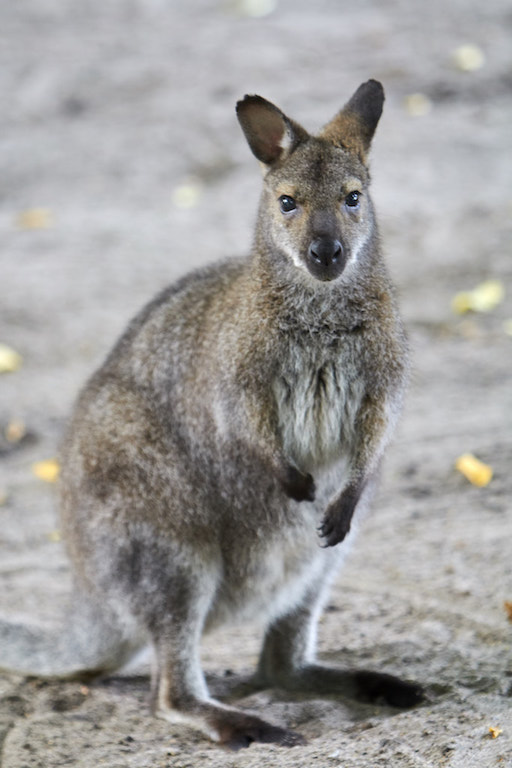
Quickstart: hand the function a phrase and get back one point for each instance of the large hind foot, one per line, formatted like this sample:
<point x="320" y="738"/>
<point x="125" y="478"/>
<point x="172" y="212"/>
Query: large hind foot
<point x="286" y="661"/>
<point x="377" y="686"/>
<point x="238" y="730"/>
<point x="230" y="727"/>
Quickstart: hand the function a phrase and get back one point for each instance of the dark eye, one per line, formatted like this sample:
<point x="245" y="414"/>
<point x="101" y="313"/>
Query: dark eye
<point x="352" y="199"/>
<point x="287" y="203"/>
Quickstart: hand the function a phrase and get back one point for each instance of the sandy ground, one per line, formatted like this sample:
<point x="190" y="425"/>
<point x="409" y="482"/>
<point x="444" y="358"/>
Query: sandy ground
<point x="118" y="122"/>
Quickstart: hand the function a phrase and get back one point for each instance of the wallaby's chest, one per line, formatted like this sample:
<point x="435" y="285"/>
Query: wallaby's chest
<point x="318" y="396"/>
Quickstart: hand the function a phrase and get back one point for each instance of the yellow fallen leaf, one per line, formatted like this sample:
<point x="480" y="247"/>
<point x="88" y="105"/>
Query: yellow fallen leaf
<point x="47" y="470"/>
<point x="188" y="194"/>
<point x="35" y="218"/>
<point x="488" y="295"/>
<point x="495" y="732"/>
<point x="54" y="536"/>
<point x="255" y="8"/>
<point x="10" y="360"/>
<point x="468" y="57"/>
<point x="484" y="298"/>
<point x="462" y="302"/>
<point x="474" y="470"/>
<point x="508" y="609"/>
<point x="417" y="104"/>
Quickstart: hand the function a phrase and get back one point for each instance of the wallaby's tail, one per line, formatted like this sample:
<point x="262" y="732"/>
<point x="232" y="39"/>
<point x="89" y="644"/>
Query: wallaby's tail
<point x="89" y="641"/>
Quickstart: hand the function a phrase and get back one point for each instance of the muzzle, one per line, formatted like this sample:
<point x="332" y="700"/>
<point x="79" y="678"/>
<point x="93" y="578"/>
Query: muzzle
<point x="326" y="258"/>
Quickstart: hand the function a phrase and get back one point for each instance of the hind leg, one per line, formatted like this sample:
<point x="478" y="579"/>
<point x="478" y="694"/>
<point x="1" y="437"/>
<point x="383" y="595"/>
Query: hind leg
<point x="287" y="660"/>
<point x="180" y="695"/>
<point x="172" y="599"/>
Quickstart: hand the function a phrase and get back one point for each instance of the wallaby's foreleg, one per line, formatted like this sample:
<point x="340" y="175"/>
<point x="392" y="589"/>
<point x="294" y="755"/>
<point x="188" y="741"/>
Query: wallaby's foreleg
<point x="371" y="435"/>
<point x="297" y="485"/>
<point x="287" y="661"/>
<point x="338" y="515"/>
<point x="263" y="418"/>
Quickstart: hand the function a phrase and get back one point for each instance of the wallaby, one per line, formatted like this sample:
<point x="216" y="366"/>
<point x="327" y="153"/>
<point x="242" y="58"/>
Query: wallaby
<point x="214" y="462"/>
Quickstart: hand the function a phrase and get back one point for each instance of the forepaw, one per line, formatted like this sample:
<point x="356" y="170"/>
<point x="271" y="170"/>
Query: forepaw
<point x="338" y="516"/>
<point x="335" y="526"/>
<point x="298" y="485"/>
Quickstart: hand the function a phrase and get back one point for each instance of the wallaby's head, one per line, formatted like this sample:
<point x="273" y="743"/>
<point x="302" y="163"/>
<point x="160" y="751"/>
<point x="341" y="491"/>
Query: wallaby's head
<point x="315" y="209"/>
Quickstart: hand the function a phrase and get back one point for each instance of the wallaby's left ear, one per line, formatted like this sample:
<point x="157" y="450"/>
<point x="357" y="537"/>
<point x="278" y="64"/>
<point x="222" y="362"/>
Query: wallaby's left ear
<point x="271" y="135"/>
<point x="354" y="126"/>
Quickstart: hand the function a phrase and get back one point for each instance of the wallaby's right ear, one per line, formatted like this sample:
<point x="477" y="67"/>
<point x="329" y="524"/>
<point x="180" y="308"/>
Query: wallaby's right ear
<point x="271" y="135"/>
<point x="354" y="126"/>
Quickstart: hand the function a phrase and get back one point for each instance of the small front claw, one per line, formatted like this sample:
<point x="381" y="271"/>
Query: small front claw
<point x="333" y="531"/>
<point x="338" y="516"/>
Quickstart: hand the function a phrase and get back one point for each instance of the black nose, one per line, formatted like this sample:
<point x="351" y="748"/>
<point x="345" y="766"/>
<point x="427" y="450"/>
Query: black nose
<point x="325" y="251"/>
<point x="325" y="258"/>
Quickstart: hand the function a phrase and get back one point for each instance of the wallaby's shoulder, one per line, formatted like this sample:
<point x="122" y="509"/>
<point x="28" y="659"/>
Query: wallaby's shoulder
<point x="177" y="311"/>
<point x="184" y="300"/>
<point x="160" y="350"/>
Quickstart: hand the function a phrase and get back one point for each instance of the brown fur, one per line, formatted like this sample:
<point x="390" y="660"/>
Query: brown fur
<point x="246" y="407"/>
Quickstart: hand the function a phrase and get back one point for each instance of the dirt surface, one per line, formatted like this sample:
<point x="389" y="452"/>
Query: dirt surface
<point x="118" y="128"/>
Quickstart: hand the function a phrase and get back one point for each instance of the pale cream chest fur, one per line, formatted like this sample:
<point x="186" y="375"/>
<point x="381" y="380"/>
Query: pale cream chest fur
<point x="317" y="400"/>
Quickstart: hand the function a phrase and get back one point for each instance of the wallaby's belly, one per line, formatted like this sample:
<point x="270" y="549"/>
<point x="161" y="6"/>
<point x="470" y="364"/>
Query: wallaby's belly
<point x="273" y="578"/>
<point x="271" y="555"/>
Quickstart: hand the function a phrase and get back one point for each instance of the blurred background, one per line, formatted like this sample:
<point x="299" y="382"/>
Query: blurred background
<point x="122" y="166"/>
